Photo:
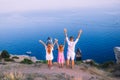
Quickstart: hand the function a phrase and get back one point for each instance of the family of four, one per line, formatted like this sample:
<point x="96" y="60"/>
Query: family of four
<point x="49" y="46"/>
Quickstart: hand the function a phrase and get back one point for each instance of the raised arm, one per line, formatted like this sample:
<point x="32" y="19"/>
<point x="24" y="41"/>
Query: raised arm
<point x="42" y="42"/>
<point x="65" y="32"/>
<point x="64" y="43"/>
<point x="57" y="44"/>
<point x="79" y="33"/>
<point x="55" y="41"/>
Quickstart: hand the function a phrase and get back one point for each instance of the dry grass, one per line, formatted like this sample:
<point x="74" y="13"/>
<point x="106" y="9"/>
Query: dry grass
<point x="16" y="71"/>
<point x="12" y="76"/>
<point x="100" y="73"/>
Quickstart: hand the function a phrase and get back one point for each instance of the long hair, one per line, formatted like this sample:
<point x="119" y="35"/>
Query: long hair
<point x="49" y="48"/>
<point x="61" y="48"/>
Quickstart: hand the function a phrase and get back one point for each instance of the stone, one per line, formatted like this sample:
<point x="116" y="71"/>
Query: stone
<point x="22" y="57"/>
<point x="117" y="54"/>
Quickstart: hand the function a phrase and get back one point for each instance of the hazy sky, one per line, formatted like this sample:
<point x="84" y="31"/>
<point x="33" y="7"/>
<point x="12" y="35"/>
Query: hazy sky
<point x="14" y="13"/>
<point x="7" y="6"/>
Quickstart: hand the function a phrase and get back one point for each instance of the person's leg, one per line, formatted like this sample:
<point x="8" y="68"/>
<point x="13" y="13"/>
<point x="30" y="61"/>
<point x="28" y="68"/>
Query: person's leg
<point x="72" y="58"/>
<point x="73" y="63"/>
<point x="68" y="62"/>
<point x="62" y="65"/>
<point x="48" y="62"/>
<point x="62" y="62"/>
<point x="59" y="65"/>
<point x="68" y="59"/>
<point x="59" y="62"/>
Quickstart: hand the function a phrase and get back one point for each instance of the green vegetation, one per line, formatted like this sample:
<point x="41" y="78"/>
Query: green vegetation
<point x="8" y="59"/>
<point x="27" y="61"/>
<point x="107" y="64"/>
<point x="5" y="54"/>
<point x="41" y="61"/>
<point x="78" y="62"/>
<point x="93" y="63"/>
<point x="15" y="57"/>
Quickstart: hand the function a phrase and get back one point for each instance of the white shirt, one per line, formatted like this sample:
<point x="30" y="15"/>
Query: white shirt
<point x="50" y="52"/>
<point x="71" y="45"/>
<point x="49" y="56"/>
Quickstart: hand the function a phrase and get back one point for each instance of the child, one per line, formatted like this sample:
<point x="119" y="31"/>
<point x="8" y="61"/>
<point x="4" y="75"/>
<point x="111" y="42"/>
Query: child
<point x="71" y="47"/>
<point x="49" y="41"/>
<point x="60" y="54"/>
<point x="49" y="52"/>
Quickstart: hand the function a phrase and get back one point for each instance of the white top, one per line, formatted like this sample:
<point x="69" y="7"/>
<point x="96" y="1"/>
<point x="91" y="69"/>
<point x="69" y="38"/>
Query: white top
<point x="71" y="45"/>
<point x="51" y="53"/>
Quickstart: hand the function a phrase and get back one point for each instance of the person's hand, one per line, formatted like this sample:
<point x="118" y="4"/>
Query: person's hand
<point x="65" y="30"/>
<point x="40" y="40"/>
<point x="56" y="40"/>
<point x="80" y="31"/>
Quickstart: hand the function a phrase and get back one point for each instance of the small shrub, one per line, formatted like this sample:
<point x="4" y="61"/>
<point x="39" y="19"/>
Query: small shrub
<point x="8" y="59"/>
<point x="27" y="61"/>
<point x="107" y="64"/>
<point x="95" y="64"/>
<point x="78" y="62"/>
<point x="15" y="57"/>
<point x="5" y="54"/>
<point x="41" y="61"/>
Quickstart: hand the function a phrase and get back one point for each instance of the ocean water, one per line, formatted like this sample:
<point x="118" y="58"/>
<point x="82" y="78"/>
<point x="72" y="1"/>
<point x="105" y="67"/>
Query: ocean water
<point x="101" y="33"/>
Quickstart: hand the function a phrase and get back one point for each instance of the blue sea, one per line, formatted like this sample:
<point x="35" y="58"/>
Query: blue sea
<point x="101" y="32"/>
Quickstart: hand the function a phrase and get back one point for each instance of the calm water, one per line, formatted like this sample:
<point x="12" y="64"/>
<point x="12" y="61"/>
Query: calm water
<point x="101" y="33"/>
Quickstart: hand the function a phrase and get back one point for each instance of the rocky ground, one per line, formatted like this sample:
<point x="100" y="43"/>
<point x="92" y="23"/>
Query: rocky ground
<point x="40" y="71"/>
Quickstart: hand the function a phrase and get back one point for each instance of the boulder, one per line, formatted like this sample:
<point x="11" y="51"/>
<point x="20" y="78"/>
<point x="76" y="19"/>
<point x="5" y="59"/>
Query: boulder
<point x="22" y="57"/>
<point x="88" y="61"/>
<point x="34" y="59"/>
<point x="117" y="54"/>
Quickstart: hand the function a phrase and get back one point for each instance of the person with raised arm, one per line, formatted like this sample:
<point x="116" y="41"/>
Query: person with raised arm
<point x="49" y="52"/>
<point x="71" y="47"/>
<point x="61" y="58"/>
